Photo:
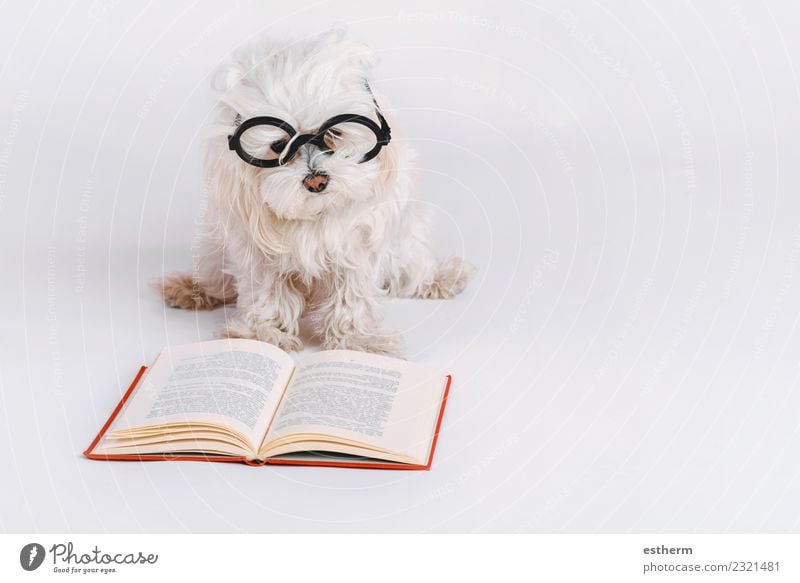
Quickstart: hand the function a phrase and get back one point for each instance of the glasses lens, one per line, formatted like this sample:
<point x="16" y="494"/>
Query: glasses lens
<point x="264" y="142"/>
<point x="350" y="140"/>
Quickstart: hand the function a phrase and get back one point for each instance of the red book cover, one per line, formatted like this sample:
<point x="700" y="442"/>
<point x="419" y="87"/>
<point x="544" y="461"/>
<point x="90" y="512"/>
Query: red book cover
<point x="377" y="465"/>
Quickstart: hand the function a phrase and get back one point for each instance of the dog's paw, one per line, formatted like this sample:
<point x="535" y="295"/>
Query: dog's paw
<point x="182" y="291"/>
<point x="381" y="342"/>
<point x="451" y="278"/>
<point x="263" y="332"/>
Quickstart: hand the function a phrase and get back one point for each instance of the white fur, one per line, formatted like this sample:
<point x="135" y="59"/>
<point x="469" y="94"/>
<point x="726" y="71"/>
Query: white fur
<point x="281" y="251"/>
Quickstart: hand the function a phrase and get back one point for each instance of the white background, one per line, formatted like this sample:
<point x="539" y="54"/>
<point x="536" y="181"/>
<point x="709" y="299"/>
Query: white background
<point x="625" y="175"/>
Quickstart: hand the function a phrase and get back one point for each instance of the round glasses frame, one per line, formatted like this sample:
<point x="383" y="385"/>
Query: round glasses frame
<point x="382" y="134"/>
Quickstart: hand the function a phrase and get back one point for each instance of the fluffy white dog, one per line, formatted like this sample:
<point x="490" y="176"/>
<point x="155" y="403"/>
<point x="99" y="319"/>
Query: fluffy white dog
<point x="300" y="218"/>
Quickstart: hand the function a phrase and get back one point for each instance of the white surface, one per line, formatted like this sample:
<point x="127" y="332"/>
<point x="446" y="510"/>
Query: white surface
<point x="626" y="179"/>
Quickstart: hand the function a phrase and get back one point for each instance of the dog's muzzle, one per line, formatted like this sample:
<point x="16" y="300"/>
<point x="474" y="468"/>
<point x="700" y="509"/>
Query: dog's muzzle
<point x="316" y="181"/>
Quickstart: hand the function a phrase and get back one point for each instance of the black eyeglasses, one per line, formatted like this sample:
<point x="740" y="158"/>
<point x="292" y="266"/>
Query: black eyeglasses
<point x="268" y="142"/>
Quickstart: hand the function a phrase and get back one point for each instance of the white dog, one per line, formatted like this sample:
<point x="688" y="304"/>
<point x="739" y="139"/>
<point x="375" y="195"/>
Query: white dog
<point x="306" y="216"/>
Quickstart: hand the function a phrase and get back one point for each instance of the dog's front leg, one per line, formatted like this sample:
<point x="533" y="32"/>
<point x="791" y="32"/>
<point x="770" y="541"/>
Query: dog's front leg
<point x="349" y="315"/>
<point x="268" y="309"/>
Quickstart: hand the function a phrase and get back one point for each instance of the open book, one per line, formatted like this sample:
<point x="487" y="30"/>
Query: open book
<point x="247" y="401"/>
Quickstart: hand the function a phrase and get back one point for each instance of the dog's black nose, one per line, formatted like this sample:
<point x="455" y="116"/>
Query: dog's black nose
<point x="316" y="181"/>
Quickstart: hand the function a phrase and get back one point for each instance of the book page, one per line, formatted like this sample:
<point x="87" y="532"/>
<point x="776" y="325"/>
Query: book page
<point x="383" y="403"/>
<point x="231" y="383"/>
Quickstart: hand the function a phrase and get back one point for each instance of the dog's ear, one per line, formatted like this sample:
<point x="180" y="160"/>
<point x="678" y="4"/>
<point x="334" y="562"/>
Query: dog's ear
<point x="356" y="53"/>
<point x="338" y="32"/>
<point x="227" y="75"/>
<point x="363" y="55"/>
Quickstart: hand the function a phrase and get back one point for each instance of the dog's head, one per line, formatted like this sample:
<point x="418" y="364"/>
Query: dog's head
<point x="275" y="101"/>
